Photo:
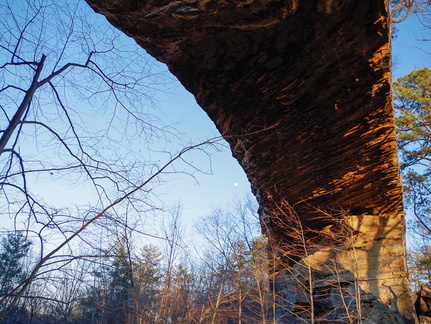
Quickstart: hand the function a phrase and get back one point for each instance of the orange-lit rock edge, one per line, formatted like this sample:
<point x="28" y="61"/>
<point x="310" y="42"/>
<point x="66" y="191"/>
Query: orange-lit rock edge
<point x="301" y="91"/>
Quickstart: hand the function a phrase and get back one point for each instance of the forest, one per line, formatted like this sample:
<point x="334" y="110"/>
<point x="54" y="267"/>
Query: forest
<point x="86" y="160"/>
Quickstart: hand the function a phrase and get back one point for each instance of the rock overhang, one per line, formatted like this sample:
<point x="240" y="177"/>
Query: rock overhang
<point x="300" y="92"/>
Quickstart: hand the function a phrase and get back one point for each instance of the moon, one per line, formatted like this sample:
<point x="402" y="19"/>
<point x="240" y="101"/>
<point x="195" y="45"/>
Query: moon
<point x="235" y="184"/>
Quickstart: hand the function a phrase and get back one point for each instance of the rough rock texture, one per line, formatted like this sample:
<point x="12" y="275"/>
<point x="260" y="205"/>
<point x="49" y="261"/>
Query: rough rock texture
<point x="423" y="304"/>
<point x="355" y="276"/>
<point x="300" y="90"/>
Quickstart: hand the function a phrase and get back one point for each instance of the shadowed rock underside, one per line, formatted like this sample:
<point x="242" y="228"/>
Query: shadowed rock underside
<point x="301" y="91"/>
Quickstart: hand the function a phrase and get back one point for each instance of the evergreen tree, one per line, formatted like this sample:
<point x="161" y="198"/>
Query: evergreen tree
<point x="127" y="291"/>
<point x="419" y="263"/>
<point x="412" y="94"/>
<point x="122" y="273"/>
<point x="13" y="249"/>
<point x="146" y="276"/>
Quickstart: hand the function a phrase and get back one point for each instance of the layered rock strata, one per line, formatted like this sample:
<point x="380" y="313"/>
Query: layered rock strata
<point x="300" y="89"/>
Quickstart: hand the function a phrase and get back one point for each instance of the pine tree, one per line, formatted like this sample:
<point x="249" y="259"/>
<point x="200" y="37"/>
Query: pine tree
<point x="13" y="249"/>
<point x="412" y="94"/>
<point x="419" y="263"/>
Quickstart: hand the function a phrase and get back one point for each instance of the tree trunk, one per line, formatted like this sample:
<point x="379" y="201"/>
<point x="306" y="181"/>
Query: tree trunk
<point x="301" y="91"/>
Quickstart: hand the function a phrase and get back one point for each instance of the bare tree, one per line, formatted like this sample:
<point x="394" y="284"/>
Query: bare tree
<point x="75" y="117"/>
<point x="237" y="264"/>
<point x="46" y="262"/>
<point x="401" y="9"/>
<point x="53" y="105"/>
<point x="316" y="287"/>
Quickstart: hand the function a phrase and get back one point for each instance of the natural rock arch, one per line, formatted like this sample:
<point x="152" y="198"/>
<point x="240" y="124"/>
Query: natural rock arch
<point x="301" y="91"/>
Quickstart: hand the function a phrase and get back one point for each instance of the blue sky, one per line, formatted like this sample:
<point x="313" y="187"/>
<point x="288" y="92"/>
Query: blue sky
<point x="223" y="179"/>
<point x="409" y="53"/>
<point x="227" y="181"/>
<point x="409" y="50"/>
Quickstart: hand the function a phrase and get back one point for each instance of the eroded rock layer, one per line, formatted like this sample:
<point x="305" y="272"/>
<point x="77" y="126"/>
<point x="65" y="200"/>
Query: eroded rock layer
<point x="300" y="90"/>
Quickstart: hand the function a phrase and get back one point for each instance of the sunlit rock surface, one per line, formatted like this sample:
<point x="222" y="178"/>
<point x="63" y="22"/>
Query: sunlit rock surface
<point x="423" y="304"/>
<point x="300" y="90"/>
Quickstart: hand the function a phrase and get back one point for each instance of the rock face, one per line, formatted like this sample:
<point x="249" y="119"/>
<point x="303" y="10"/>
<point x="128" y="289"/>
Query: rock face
<point x="301" y="91"/>
<point x="423" y="304"/>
